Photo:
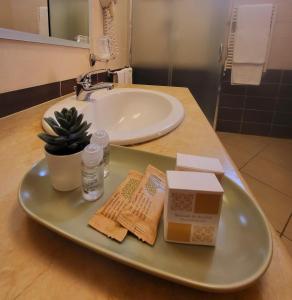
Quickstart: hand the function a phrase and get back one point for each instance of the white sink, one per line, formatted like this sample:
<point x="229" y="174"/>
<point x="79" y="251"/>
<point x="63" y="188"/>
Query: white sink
<point x="129" y="115"/>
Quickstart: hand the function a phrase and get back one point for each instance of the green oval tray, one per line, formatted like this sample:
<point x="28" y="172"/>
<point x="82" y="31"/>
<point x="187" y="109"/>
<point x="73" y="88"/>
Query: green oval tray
<point x="243" y="249"/>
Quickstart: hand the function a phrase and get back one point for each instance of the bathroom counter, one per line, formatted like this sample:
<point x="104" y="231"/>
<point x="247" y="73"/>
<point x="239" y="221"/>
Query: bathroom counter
<point x="35" y="263"/>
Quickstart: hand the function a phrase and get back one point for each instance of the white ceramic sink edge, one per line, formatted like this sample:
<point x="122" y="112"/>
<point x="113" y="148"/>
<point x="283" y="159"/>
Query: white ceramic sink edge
<point x="129" y="115"/>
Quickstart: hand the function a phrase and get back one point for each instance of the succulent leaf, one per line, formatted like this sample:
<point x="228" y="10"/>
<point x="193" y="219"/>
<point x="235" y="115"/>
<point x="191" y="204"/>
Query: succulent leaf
<point x="64" y="111"/>
<point x="51" y="139"/>
<point x="77" y="124"/>
<point x="60" y="130"/>
<point x="58" y="115"/>
<point x="51" y="121"/>
<point x="74" y="115"/>
<point x="71" y="132"/>
<point x="64" y="123"/>
<point x="78" y="134"/>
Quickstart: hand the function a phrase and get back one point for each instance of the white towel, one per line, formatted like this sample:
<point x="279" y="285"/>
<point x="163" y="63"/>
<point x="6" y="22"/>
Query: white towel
<point x="43" y="21"/>
<point x="251" y="42"/>
<point x="247" y="74"/>
<point x="129" y="75"/>
<point x="121" y="76"/>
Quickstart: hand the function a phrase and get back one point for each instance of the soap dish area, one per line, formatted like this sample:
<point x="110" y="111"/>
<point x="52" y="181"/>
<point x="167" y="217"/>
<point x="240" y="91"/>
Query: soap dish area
<point x="243" y="249"/>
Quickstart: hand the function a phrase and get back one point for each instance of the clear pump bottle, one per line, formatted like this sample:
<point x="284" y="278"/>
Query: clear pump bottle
<point x="101" y="138"/>
<point x="92" y="172"/>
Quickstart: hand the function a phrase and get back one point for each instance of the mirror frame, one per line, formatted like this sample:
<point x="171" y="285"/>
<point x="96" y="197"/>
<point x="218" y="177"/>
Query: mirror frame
<point x="10" y="34"/>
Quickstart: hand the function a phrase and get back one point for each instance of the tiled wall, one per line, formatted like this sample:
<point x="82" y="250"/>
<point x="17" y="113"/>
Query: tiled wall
<point x="18" y="100"/>
<point x="262" y="110"/>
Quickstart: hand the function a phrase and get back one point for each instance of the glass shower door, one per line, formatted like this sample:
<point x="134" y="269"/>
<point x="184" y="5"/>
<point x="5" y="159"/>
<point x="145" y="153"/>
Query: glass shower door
<point x="177" y="42"/>
<point x="150" y="41"/>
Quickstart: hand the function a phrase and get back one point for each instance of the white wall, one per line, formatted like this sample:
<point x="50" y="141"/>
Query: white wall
<point x="25" y="64"/>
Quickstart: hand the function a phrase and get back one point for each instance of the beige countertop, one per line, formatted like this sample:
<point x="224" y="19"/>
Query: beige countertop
<point x="38" y="264"/>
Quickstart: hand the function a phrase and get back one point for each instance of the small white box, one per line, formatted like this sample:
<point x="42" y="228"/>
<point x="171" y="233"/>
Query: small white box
<point x="187" y="162"/>
<point x="193" y="207"/>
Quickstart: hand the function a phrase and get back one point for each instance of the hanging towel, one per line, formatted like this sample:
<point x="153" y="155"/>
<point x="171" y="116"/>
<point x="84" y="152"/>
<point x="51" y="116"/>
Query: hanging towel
<point x="121" y="76"/>
<point x="129" y="75"/>
<point x="247" y="74"/>
<point x="43" y="21"/>
<point x="251" y="43"/>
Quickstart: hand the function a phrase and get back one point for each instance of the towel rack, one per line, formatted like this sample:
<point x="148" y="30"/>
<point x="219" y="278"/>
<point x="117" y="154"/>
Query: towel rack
<point x="113" y="75"/>
<point x="231" y="38"/>
<point x="114" y="72"/>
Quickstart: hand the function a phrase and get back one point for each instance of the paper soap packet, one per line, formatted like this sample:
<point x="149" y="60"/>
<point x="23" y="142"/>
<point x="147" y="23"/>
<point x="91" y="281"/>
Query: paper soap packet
<point x="105" y="219"/>
<point x="142" y="214"/>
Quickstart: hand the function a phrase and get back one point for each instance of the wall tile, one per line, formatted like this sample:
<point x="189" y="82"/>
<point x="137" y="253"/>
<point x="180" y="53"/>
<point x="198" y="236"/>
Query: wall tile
<point x="287" y="76"/>
<point x="103" y="77"/>
<point x="260" y="103"/>
<point x="151" y="76"/>
<point x="67" y="86"/>
<point x="227" y="88"/>
<point x="264" y="90"/>
<point x="283" y="118"/>
<point x="229" y="126"/>
<point x="261" y="110"/>
<point x="256" y="128"/>
<point x="258" y="116"/>
<point x="18" y="100"/>
<point x="281" y="131"/>
<point x="286" y="91"/>
<point x="284" y="105"/>
<point x="271" y="76"/>
<point x="230" y="114"/>
<point x="234" y="101"/>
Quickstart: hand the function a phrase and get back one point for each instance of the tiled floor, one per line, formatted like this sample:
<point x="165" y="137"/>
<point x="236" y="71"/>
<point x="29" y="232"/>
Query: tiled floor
<point x="266" y="165"/>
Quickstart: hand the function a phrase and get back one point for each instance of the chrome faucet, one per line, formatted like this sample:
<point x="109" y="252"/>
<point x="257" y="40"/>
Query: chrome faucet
<point x="84" y="87"/>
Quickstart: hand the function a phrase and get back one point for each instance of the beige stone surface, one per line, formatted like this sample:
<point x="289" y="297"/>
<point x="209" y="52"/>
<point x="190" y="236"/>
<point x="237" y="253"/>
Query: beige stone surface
<point x="242" y="147"/>
<point x="279" y="151"/>
<point x="270" y="173"/>
<point x="38" y="264"/>
<point x="275" y="205"/>
<point x="288" y="244"/>
<point x="288" y="230"/>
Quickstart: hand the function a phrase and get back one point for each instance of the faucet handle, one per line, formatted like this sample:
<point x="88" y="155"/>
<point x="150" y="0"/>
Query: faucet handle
<point x="84" y="78"/>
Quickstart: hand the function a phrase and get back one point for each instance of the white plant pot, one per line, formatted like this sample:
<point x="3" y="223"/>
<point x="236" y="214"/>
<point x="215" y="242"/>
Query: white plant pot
<point x="65" y="171"/>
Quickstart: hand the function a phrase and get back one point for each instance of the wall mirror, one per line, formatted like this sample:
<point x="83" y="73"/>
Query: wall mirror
<point x="61" y="22"/>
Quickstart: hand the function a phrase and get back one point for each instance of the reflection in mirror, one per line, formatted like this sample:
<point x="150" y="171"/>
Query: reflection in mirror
<point x="65" y="19"/>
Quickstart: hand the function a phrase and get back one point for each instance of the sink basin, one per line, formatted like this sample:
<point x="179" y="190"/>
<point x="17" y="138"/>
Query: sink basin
<point x="129" y="115"/>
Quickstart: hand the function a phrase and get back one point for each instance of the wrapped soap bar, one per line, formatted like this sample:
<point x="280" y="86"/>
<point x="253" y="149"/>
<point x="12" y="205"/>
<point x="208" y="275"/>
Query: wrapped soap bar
<point x="192" y="209"/>
<point x="105" y="219"/>
<point x="142" y="214"/>
<point x="187" y="162"/>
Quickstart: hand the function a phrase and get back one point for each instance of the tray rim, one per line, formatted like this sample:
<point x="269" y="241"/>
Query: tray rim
<point x="218" y="288"/>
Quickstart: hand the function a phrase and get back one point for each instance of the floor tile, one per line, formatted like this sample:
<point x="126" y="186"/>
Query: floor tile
<point x="279" y="152"/>
<point x="276" y="206"/>
<point x="288" y="230"/>
<point x="239" y="157"/>
<point x="288" y="244"/>
<point x="242" y="147"/>
<point x="270" y="173"/>
<point x="249" y="143"/>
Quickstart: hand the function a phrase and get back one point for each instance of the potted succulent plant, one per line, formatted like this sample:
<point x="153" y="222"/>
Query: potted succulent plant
<point x="63" y="150"/>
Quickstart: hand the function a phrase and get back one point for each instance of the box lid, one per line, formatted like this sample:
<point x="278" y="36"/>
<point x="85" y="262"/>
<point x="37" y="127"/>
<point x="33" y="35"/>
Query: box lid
<point x="200" y="163"/>
<point x="193" y="181"/>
